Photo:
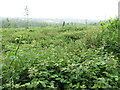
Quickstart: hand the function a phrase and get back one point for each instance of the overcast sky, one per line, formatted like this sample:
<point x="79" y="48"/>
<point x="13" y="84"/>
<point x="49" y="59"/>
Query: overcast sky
<point x="82" y="9"/>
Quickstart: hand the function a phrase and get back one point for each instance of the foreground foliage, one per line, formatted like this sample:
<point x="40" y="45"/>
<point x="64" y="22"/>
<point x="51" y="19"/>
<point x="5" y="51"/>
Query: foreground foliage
<point x="70" y="57"/>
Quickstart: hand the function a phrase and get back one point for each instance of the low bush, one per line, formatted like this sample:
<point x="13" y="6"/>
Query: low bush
<point x="83" y="69"/>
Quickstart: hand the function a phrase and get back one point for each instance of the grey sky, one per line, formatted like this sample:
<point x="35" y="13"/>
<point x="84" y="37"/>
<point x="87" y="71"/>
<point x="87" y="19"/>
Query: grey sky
<point x="82" y="9"/>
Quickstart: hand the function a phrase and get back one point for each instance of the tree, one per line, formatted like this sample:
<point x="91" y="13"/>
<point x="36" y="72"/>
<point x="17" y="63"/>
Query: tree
<point x="63" y="23"/>
<point x="26" y="16"/>
<point x="86" y="22"/>
<point x="6" y="23"/>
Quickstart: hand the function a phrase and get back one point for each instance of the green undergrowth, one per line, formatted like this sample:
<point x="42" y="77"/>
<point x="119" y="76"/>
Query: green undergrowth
<point x="61" y="58"/>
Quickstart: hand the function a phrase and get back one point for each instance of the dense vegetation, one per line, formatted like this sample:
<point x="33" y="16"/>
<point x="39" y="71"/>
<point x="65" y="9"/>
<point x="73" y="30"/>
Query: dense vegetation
<point x="61" y="58"/>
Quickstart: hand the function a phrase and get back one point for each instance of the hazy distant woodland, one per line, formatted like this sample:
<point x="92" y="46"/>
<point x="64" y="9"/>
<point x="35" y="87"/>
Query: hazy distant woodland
<point x="36" y="22"/>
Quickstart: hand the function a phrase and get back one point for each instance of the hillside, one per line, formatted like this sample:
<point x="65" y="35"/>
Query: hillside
<point x="62" y="57"/>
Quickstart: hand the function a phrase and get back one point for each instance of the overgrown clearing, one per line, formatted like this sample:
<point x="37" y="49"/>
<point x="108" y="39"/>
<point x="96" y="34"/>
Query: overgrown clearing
<point x="69" y="57"/>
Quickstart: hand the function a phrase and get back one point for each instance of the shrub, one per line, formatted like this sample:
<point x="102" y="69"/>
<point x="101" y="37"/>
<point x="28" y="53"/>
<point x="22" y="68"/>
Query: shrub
<point x="84" y="69"/>
<point x="62" y="60"/>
